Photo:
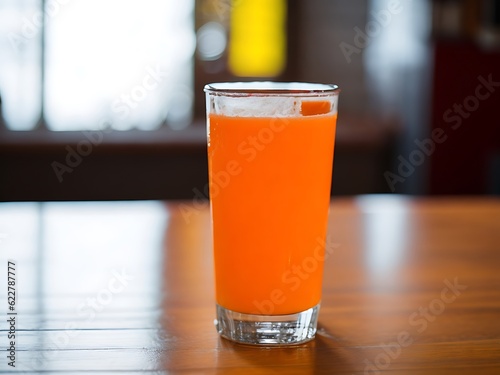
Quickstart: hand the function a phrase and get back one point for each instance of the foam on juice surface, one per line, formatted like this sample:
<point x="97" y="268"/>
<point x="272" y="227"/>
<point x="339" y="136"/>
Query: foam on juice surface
<point x="248" y="106"/>
<point x="257" y="106"/>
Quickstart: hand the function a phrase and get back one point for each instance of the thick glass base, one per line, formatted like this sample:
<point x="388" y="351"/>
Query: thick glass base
<point x="267" y="330"/>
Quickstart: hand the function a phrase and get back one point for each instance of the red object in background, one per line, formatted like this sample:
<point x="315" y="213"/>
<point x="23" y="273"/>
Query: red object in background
<point x="469" y="115"/>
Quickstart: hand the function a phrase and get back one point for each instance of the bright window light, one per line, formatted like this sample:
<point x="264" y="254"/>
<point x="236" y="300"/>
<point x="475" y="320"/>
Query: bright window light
<point x="127" y="64"/>
<point x="20" y="70"/>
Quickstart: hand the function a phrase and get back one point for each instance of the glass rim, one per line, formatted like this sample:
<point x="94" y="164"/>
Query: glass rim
<point x="271" y="88"/>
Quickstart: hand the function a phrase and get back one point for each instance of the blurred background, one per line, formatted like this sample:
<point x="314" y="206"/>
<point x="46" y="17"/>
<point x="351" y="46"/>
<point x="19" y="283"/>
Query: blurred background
<point x="104" y="99"/>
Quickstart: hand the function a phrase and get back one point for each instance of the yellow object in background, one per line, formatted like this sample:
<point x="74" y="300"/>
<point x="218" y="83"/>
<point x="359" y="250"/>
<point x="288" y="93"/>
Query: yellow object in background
<point x="257" y="46"/>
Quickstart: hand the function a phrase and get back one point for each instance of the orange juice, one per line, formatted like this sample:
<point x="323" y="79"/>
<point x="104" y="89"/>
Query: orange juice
<point x="269" y="180"/>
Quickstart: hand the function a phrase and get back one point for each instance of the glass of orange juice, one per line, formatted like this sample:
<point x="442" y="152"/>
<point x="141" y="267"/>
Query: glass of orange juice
<point x="270" y="156"/>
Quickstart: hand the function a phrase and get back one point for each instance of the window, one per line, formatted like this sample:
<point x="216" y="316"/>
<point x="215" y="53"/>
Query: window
<point x="90" y="64"/>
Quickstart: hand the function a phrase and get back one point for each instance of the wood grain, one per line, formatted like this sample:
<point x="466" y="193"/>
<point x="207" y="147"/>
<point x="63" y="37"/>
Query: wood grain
<point x="412" y="287"/>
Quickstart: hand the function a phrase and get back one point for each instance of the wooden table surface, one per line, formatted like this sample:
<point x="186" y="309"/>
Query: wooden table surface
<point x="412" y="287"/>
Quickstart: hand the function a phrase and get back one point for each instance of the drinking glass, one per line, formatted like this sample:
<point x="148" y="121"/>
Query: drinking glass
<point x="270" y="157"/>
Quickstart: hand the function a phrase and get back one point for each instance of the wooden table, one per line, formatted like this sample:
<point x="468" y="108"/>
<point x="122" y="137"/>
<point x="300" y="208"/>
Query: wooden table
<point x="412" y="287"/>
